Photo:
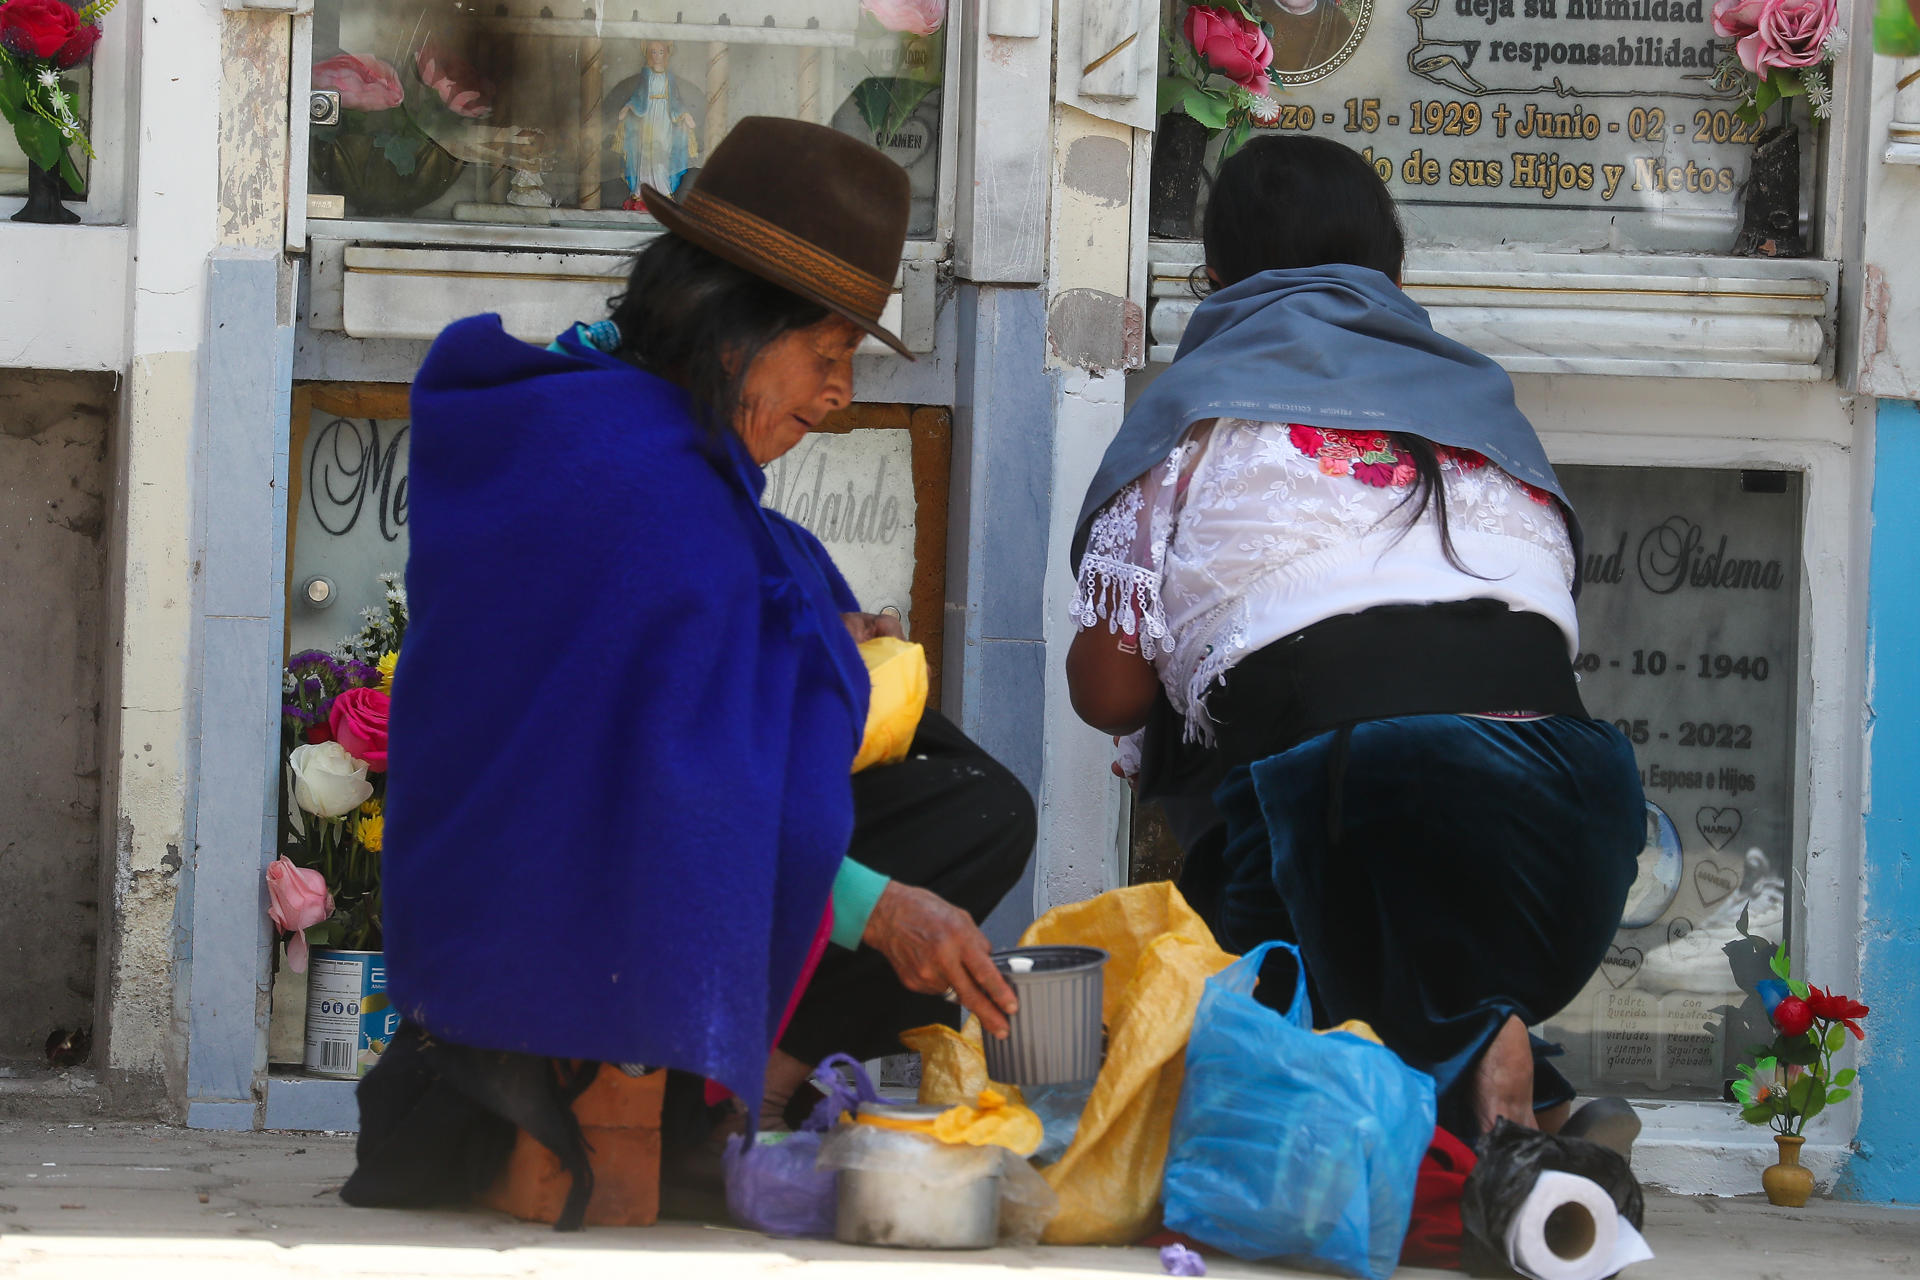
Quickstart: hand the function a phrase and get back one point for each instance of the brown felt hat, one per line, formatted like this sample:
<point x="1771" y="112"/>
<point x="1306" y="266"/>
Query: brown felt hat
<point x="813" y="210"/>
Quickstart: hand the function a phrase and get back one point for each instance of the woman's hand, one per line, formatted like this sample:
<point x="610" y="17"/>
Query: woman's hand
<point x="871" y="626"/>
<point x="935" y="947"/>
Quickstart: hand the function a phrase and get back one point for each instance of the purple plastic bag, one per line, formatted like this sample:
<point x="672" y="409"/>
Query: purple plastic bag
<point x="773" y="1185"/>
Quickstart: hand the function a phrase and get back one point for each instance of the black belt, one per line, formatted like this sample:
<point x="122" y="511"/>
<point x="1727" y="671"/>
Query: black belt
<point x="1394" y="660"/>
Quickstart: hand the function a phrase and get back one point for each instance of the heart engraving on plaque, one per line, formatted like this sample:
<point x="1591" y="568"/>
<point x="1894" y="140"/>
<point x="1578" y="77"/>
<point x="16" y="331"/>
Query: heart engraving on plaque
<point x="1678" y="929"/>
<point x="1718" y="826"/>
<point x="1621" y="964"/>
<point x="1714" y="882"/>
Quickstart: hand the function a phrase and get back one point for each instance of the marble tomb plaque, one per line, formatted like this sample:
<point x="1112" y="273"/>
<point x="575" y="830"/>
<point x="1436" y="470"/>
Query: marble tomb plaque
<point x="854" y="491"/>
<point x="1584" y="124"/>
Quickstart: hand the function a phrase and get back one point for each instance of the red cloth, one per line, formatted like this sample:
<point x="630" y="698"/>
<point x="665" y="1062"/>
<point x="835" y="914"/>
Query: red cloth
<point x="1162" y="1238"/>
<point x="1433" y="1238"/>
<point x="717" y="1093"/>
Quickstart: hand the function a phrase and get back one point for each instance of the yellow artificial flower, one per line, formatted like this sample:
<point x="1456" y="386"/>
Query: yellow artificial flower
<point x="385" y="667"/>
<point x="372" y="830"/>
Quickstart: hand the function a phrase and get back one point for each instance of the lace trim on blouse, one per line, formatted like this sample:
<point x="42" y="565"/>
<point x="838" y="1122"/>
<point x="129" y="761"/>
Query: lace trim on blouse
<point x="1115" y="588"/>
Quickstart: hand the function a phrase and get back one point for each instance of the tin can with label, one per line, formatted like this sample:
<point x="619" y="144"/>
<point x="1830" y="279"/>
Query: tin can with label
<point x="349" y="1018"/>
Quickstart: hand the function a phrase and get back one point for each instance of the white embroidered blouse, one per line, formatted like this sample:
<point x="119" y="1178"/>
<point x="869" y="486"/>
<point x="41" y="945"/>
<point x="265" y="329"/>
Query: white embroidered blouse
<point x="1251" y="531"/>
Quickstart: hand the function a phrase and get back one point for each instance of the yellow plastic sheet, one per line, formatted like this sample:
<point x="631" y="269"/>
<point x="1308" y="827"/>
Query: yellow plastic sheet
<point x="898" y="670"/>
<point x="1162" y="955"/>
<point x="995" y="1120"/>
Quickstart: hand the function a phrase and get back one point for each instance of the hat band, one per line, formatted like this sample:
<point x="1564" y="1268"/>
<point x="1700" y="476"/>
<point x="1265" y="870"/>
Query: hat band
<point x="833" y="275"/>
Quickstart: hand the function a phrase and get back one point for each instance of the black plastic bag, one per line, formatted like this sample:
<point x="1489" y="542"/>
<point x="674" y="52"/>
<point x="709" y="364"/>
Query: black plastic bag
<point x="1511" y="1161"/>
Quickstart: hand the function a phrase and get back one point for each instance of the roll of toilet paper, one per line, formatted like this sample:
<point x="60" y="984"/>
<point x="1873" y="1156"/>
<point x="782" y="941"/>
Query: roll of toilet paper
<point x="1568" y="1229"/>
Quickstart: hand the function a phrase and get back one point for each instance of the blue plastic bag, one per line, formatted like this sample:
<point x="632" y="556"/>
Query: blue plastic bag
<point x="1288" y="1144"/>
<point x="775" y="1185"/>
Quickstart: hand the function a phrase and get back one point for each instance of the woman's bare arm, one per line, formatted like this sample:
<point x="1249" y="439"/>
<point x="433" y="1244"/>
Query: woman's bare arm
<point x="1112" y="686"/>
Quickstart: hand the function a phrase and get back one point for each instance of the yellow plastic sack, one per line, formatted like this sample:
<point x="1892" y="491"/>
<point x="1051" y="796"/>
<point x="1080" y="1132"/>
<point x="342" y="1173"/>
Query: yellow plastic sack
<point x="994" y="1121"/>
<point x="1354" y="1027"/>
<point x="1162" y="955"/>
<point x="898" y="669"/>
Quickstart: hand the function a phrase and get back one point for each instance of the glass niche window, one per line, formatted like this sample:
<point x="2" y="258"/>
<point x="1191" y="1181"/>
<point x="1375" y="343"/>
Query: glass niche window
<point x="13" y="161"/>
<point x="558" y="112"/>
<point x="1689" y="627"/>
<point x="1584" y="125"/>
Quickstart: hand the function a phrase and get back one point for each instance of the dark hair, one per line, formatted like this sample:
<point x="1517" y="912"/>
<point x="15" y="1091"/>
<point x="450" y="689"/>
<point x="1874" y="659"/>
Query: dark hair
<point x="695" y="319"/>
<point x="1292" y="201"/>
<point x="1287" y="201"/>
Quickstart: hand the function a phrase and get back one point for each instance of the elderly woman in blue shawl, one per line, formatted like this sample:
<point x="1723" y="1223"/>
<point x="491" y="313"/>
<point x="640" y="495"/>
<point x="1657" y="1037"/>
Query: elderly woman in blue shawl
<point x="1326" y="565"/>
<point x="629" y="702"/>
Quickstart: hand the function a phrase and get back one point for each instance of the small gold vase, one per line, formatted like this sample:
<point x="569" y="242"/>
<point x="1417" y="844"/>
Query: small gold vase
<point x="1788" y="1183"/>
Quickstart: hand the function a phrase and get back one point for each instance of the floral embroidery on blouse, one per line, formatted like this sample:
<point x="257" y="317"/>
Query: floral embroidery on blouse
<point x="1371" y="458"/>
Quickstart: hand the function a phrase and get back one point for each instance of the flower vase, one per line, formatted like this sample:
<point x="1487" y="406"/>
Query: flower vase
<point x="1179" y="169"/>
<point x="350" y="1021"/>
<point x="1788" y="1183"/>
<point x="384" y="167"/>
<point x="45" y="190"/>
<point x="1770" y="212"/>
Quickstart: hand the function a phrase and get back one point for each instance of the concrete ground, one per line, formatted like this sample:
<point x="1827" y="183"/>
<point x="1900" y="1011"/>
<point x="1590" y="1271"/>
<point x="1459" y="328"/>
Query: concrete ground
<point x="81" y="1199"/>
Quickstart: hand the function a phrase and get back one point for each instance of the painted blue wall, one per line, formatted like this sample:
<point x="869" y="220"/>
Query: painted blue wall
<point x="1887" y="1166"/>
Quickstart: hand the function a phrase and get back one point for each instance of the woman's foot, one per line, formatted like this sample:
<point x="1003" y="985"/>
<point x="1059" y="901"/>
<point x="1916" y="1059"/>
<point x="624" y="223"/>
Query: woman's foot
<point x="785" y="1075"/>
<point x="1611" y="1122"/>
<point x="1503" y="1079"/>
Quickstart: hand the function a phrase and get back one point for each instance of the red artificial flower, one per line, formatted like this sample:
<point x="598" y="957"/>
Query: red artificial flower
<point x="1378" y="474"/>
<point x="1792" y="1017"/>
<point x="319" y="733"/>
<point x="1842" y="1009"/>
<point x="78" y="48"/>
<point x="36" y="28"/>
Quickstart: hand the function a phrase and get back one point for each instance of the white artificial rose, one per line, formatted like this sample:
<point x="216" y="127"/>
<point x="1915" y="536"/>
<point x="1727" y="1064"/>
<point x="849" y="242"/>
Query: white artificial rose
<point x="327" y="782"/>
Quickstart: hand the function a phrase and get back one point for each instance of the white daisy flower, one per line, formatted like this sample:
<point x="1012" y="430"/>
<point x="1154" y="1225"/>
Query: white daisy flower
<point x="1836" y="42"/>
<point x="49" y="78"/>
<point x="1260" y="106"/>
<point x="1728" y="74"/>
<point x="1819" y="93"/>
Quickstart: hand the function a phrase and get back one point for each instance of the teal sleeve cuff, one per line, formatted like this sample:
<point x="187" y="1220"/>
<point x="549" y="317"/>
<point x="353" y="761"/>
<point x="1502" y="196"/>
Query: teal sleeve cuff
<point x="856" y="889"/>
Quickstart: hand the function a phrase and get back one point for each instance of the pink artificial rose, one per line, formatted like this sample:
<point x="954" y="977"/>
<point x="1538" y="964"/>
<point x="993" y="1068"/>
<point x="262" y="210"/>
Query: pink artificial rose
<point x="911" y="17"/>
<point x="1790" y="35"/>
<point x="1231" y="45"/>
<point x="359" y="723"/>
<point x="297" y="899"/>
<point x="1735" y="18"/>
<point x="465" y="91"/>
<point x="364" y="84"/>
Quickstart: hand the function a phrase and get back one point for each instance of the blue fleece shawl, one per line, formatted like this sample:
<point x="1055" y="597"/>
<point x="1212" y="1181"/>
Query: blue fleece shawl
<point x="1331" y="346"/>
<point x="623" y="721"/>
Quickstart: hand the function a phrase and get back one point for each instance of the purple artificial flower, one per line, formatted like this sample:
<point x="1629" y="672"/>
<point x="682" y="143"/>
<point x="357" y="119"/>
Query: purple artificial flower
<point x="359" y="675"/>
<point x="301" y="714"/>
